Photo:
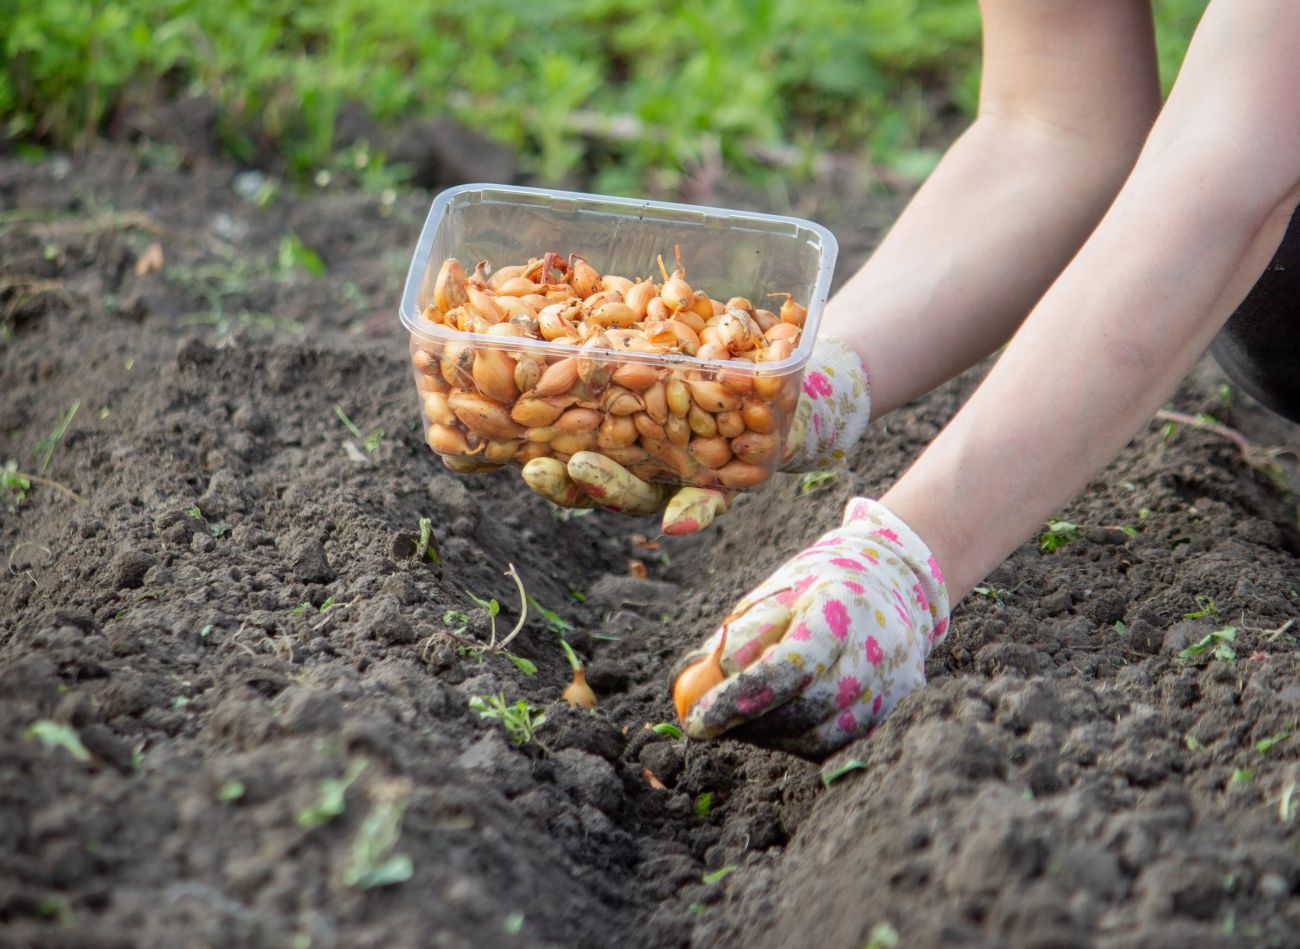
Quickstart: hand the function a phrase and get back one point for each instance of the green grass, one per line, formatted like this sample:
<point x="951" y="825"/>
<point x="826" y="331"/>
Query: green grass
<point x="656" y="87"/>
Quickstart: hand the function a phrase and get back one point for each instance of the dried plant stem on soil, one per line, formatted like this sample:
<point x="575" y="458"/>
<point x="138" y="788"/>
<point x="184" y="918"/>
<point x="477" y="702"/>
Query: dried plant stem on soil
<point x="1261" y="459"/>
<point x="1207" y="425"/>
<point x="491" y="645"/>
<point x="37" y="479"/>
<point x="523" y="612"/>
<point x="83" y="227"/>
<point x="30" y="287"/>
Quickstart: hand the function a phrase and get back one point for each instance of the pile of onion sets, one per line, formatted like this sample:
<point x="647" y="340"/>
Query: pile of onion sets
<point x="653" y="374"/>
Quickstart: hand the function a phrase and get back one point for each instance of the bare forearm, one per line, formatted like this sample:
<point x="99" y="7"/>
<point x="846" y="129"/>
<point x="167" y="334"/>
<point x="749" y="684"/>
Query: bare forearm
<point x="1009" y="205"/>
<point x="1068" y="92"/>
<point x="1105" y="347"/>
<point x="1190" y="232"/>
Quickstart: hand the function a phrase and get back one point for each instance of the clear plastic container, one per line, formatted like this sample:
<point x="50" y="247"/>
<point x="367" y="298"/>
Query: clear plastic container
<point x="749" y="399"/>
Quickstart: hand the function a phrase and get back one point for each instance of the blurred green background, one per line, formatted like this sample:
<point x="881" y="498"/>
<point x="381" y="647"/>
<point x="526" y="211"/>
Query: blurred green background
<point x="614" y="93"/>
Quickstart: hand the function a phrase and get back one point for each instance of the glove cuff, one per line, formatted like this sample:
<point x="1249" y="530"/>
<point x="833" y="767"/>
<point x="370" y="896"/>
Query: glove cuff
<point x="929" y="594"/>
<point x="834" y="408"/>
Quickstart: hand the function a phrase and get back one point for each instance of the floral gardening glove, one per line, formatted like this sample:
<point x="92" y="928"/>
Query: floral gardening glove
<point x="833" y="411"/>
<point x="825" y="648"/>
<point x="834" y="408"/>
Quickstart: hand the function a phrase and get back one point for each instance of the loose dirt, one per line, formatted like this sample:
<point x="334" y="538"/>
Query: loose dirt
<point x="232" y="622"/>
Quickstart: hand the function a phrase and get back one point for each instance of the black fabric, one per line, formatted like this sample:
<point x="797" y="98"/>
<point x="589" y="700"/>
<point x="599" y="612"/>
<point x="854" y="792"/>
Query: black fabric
<point x="1259" y="347"/>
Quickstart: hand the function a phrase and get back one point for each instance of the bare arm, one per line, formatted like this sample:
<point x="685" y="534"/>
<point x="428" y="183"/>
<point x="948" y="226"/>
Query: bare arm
<point x="1067" y="94"/>
<point x="1193" y="227"/>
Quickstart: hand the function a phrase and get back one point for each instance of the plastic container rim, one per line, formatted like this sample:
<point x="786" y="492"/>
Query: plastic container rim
<point x="417" y="325"/>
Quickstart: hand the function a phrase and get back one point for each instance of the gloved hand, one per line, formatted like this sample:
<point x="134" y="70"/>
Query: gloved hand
<point x="832" y="413"/>
<point x="825" y="648"/>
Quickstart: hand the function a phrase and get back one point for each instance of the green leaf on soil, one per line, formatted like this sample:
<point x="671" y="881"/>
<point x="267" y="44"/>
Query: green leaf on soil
<point x="425" y="546"/>
<point x="526" y="666"/>
<point x="371" y="441"/>
<point x="350" y="425"/>
<point x="492" y="606"/>
<point x="44" y="448"/>
<point x="578" y="595"/>
<point x="704" y="804"/>
<point x="993" y="594"/>
<point x="397" y="869"/>
<point x="231" y="791"/>
<point x="1217" y="640"/>
<point x="667" y="729"/>
<point x="373" y="863"/>
<point x="1193" y="743"/>
<point x="1243" y="776"/>
<point x="1057" y="534"/>
<point x="55" y="908"/>
<point x="719" y="874"/>
<point x="514" y="923"/>
<point x="294" y="254"/>
<point x="520" y="719"/>
<point x="330" y="801"/>
<point x="815" y="480"/>
<point x="831" y="775"/>
<point x="14" y="481"/>
<point x="554" y="622"/>
<point x="1204" y="607"/>
<point x="883" y="936"/>
<point x="55" y="735"/>
<point x="1263" y="746"/>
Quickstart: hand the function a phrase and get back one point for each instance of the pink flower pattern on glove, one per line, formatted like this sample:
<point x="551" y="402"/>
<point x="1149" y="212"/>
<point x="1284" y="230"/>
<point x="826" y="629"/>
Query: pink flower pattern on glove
<point x="834" y="408"/>
<point x="824" y="648"/>
<point x="817" y="386"/>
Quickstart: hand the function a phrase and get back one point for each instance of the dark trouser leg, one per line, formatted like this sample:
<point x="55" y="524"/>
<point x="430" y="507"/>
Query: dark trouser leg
<point x="1259" y="347"/>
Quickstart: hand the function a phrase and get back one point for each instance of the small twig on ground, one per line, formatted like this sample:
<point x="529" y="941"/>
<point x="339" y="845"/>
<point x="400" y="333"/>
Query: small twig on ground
<point x="523" y="611"/>
<point x="113" y="221"/>
<point x="1273" y="635"/>
<point x="37" y="479"/>
<point x="29" y="287"/>
<point x="31" y="283"/>
<point x="1208" y="425"/>
<point x="236" y="640"/>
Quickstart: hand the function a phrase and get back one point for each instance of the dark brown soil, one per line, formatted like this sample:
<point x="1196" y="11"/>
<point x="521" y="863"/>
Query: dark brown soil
<point x="1066" y="779"/>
